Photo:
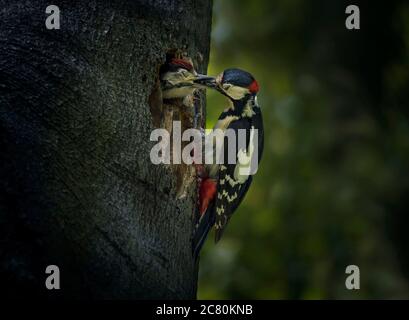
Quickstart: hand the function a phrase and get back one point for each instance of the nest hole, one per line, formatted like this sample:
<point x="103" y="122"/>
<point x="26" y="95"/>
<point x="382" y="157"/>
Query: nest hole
<point x="164" y="113"/>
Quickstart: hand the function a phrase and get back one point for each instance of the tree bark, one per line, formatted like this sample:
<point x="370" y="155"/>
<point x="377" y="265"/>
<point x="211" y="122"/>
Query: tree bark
<point x="77" y="187"/>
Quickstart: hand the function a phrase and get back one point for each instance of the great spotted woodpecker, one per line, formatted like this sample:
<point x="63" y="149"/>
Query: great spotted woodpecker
<point x="223" y="185"/>
<point x="179" y="79"/>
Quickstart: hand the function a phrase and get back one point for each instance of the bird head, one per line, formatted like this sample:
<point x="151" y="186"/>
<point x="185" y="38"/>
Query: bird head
<point x="234" y="83"/>
<point x="179" y="79"/>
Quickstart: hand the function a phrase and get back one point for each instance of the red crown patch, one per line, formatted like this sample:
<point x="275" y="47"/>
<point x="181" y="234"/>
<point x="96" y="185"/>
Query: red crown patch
<point x="182" y="63"/>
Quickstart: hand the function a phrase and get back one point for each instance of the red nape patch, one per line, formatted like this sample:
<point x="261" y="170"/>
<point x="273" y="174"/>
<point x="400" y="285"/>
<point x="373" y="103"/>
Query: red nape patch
<point x="182" y="63"/>
<point x="207" y="193"/>
<point x="253" y="87"/>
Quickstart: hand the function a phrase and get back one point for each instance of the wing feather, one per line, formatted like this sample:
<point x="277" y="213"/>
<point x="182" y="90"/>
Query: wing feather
<point x="231" y="192"/>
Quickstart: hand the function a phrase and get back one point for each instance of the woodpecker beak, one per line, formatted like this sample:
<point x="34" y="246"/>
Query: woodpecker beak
<point x="203" y="81"/>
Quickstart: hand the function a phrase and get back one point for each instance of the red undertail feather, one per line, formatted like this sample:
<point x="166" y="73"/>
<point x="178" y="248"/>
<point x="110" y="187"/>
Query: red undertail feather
<point x="207" y="194"/>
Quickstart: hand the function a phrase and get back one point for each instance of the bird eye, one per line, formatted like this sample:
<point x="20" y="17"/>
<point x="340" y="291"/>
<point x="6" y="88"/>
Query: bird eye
<point x="184" y="73"/>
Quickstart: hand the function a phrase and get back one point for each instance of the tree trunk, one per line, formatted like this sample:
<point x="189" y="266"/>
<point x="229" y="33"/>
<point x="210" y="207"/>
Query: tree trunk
<point x="77" y="187"/>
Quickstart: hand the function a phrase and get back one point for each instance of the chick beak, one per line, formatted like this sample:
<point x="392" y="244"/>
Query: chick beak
<point x="203" y="81"/>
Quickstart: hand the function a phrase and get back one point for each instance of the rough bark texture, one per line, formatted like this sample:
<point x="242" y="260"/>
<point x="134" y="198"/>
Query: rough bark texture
<point x="77" y="188"/>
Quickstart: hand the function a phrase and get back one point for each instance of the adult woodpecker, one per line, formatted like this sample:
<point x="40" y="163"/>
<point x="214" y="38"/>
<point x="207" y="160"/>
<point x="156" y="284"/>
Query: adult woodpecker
<point x="224" y="185"/>
<point x="179" y="79"/>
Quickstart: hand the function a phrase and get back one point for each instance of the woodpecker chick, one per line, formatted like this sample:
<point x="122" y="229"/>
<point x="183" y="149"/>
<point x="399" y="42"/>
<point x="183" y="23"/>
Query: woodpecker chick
<point x="178" y="79"/>
<point x="225" y="185"/>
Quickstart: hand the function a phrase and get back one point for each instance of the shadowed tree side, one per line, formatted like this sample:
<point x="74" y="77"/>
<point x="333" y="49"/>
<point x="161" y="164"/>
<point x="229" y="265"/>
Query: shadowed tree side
<point x="77" y="188"/>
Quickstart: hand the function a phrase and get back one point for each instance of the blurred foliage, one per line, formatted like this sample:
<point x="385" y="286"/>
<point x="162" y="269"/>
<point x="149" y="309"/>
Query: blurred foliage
<point x="333" y="185"/>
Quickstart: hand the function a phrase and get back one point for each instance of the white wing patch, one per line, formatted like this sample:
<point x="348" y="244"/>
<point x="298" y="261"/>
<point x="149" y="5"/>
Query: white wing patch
<point x="243" y="167"/>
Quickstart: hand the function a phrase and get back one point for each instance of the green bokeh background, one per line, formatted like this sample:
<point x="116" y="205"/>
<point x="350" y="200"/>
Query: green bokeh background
<point x="333" y="185"/>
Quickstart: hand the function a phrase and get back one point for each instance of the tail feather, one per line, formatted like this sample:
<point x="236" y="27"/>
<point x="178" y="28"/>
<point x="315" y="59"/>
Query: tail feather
<point x="201" y="232"/>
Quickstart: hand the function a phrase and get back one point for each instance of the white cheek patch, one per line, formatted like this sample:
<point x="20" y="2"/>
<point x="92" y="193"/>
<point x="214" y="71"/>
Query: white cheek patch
<point x="176" y="77"/>
<point x="173" y="78"/>
<point x="237" y="93"/>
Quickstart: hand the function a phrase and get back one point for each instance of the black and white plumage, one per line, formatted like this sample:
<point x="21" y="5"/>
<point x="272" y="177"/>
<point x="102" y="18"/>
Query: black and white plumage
<point x="231" y="186"/>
